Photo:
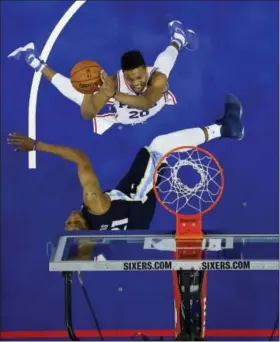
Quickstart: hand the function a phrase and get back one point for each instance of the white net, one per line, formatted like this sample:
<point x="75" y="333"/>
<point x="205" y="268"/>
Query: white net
<point x="189" y="181"/>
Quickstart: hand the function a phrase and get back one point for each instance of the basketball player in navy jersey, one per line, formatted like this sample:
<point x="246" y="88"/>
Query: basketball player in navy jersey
<point x="132" y="203"/>
<point x="118" y="99"/>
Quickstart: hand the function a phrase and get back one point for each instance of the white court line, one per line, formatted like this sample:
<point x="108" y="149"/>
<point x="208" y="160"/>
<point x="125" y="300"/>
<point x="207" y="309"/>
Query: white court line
<point x="37" y="76"/>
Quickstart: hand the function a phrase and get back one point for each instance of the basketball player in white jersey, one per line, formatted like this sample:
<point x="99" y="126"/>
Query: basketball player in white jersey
<point x="118" y="99"/>
<point x="131" y="204"/>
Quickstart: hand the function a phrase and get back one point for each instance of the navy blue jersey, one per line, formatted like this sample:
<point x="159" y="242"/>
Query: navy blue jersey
<point x="125" y="213"/>
<point x="116" y="217"/>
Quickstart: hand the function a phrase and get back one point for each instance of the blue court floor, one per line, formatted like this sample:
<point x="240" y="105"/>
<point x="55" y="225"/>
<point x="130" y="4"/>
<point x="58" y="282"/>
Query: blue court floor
<point x="238" y="53"/>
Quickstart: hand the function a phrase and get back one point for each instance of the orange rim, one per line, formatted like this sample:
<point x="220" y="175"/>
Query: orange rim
<point x="190" y="148"/>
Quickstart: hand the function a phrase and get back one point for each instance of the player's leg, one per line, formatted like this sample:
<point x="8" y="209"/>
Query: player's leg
<point x="136" y="186"/>
<point x="138" y="182"/>
<point x="230" y="126"/>
<point x="180" y="38"/>
<point x="62" y="83"/>
<point x="131" y="181"/>
<point x="64" y="86"/>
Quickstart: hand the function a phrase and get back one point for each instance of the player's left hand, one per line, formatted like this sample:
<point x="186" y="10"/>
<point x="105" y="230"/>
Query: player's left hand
<point x="22" y="142"/>
<point x="108" y="85"/>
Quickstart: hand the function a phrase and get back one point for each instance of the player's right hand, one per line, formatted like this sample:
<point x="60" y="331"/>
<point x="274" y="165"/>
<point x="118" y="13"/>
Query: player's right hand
<point x="108" y="85"/>
<point x="75" y="222"/>
<point x="22" y="142"/>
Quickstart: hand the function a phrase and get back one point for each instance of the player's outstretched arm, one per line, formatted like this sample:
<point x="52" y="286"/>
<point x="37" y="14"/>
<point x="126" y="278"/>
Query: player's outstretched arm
<point x="94" y="198"/>
<point x="153" y="93"/>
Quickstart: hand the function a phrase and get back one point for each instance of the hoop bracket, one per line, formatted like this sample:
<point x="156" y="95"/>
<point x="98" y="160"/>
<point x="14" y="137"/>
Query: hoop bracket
<point x="188" y="224"/>
<point x="189" y="237"/>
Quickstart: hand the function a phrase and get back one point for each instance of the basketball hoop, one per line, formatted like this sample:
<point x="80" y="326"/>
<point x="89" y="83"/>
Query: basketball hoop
<point x="188" y="195"/>
<point x="188" y="182"/>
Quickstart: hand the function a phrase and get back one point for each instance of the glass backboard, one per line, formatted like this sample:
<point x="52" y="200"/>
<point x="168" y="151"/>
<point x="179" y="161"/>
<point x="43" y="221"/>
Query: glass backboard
<point x="124" y="251"/>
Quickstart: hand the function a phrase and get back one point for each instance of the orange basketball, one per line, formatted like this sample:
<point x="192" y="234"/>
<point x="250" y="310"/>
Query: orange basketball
<point x="85" y="76"/>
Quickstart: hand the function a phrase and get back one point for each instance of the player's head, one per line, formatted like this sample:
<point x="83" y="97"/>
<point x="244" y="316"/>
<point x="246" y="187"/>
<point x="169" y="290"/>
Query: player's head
<point x="134" y="68"/>
<point x="76" y="222"/>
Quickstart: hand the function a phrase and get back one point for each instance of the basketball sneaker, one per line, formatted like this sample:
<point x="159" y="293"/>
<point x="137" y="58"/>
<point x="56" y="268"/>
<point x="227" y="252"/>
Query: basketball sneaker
<point x="232" y="126"/>
<point x="30" y="55"/>
<point x="184" y="38"/>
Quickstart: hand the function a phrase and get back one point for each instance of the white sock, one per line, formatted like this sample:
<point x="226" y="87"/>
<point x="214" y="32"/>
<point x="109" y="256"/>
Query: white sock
<point x="214" y="131"/>
<point x="179" y="39"/>
<point x="166" y="59"/>
<point x="63" y="84"/>
<point x="37" y="63"/>
<point x="187" y="137"/>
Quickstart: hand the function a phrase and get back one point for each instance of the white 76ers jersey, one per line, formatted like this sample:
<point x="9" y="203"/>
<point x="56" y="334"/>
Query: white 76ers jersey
<point x="131" y="116"/>
<point x="123" y="114"/>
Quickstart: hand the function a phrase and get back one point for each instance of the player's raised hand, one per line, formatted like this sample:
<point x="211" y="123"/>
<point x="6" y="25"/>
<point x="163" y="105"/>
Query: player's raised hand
<point x="108" y="85"/>
<point x="22" y="143"/>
